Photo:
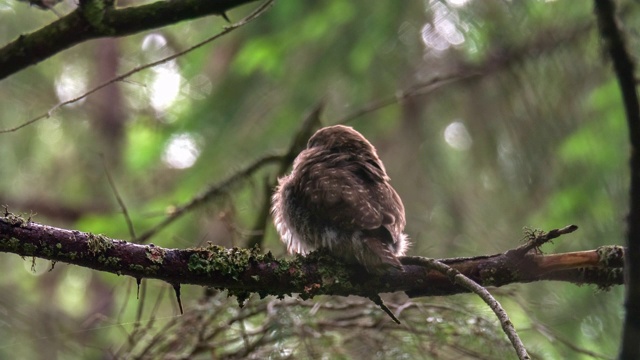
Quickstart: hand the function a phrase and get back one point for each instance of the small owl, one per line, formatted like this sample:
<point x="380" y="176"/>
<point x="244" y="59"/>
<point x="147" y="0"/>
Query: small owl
<point x="338" y="196"/>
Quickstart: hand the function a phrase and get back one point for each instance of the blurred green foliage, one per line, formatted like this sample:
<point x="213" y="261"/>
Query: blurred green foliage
<point x="540" y="142"/>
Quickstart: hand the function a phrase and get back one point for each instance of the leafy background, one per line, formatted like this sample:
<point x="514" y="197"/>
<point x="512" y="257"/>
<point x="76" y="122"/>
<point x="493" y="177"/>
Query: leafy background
<point x="528" y="132"/>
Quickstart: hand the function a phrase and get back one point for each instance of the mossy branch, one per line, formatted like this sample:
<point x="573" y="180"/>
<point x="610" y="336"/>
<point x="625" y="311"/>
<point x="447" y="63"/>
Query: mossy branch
<point x="96" y="19"/>
<point x="244" y="271"/>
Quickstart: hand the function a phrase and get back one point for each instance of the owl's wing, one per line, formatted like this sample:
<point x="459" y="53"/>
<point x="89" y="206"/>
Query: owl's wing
<point x="355" y="195"/>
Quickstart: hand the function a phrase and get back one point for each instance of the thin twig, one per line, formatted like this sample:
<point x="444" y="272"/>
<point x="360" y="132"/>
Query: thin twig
<point x="311" y="120"/>
<point x="458" y="278"/>
<point x="142" y="295"/>
<point x="538" y="238"/>
<point x="121" y="203"/>
<point x="260" y="226"/>
<point x="416" y="90"/>
<point x="498" y="58"/>
<point x="378" y="301"/>
<point x="209" y="193"/>
<point x="227" y="29"/>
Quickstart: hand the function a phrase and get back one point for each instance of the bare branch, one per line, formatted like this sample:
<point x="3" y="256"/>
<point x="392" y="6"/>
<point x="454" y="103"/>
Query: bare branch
<point x="310" y="122"/>
<point x="98" y="18"/>
<point x="422" y="88"/>
<point x="123" y="206"/>
<point x="259" y="11"/>
<point x="499" y="58"/>
<point x="537" y="238"/>
<point x="209" y="193"/>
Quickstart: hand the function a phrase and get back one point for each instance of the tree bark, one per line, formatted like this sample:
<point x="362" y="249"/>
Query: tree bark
<point x="97" y="19"/>
<point x="244" y="271"/>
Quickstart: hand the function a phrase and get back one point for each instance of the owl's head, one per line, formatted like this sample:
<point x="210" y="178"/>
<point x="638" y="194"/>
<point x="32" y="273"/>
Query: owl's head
<point x="340" y="138"/>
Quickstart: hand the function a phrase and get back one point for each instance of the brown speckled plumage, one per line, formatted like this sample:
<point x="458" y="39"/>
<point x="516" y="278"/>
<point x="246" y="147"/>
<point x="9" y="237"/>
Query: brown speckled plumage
<point x="338" y="196"/>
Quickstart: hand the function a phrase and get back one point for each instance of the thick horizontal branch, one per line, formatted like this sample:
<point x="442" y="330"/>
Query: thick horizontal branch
<point x="243" y="271"/>
<point x="98" y="18"/>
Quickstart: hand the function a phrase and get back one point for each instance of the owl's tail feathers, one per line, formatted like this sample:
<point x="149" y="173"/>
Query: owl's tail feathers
<point x="378" y="257"/>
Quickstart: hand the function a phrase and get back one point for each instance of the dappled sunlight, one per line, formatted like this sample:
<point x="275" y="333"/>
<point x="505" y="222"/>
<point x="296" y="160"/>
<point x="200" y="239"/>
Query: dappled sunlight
<point x="458" y="3"/>
<point x="166" y="80"/>
<point x="181" y="151"/>
<point x="165" y="87"/>
<point x="457" y="136"/>
<point x="153" y="43"/>
<point x="72" y="82"/>
<point x="592" y="327"/>
<point x="443" y="31"/>
<point x="6" y="6"/>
